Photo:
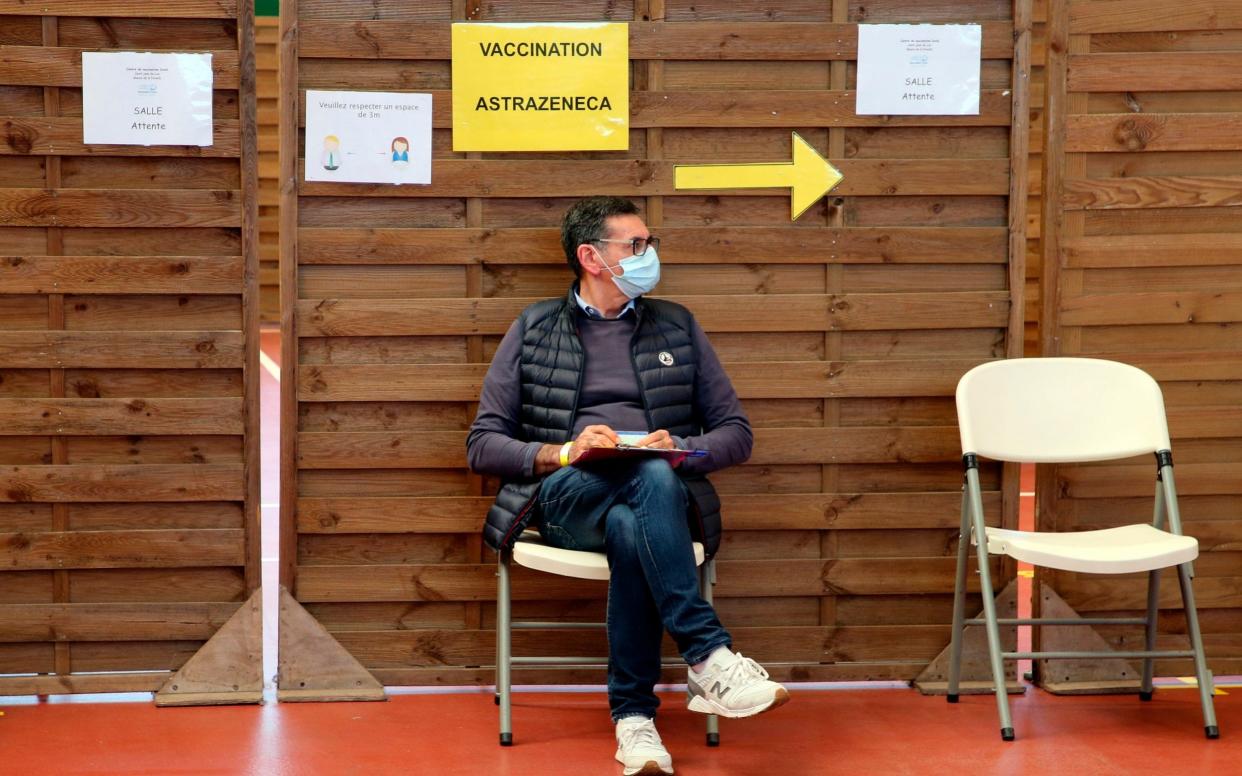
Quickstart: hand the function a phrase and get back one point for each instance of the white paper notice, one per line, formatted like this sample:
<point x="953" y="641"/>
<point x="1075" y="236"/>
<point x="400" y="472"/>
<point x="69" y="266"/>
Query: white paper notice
<point x="919" y="69"/>
<point x="133" y="98"/>
<point x="368" y="137"/>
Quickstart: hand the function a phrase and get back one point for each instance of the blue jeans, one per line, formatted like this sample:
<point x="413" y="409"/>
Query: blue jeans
<point x="636" y="514"/>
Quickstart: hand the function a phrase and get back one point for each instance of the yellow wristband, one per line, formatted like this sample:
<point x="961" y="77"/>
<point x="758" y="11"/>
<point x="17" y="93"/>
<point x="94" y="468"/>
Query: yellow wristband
<point x="565" y="453"/>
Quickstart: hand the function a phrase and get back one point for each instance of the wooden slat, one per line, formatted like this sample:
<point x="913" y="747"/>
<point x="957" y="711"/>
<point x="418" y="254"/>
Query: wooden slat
<point x="1130" y="132"/>
<point x="679" y="245"/>
<point x="1155" y="72"/>
<point x="752" y="380"/>
<point x="134" y="482"/>
<point x="1153" y="16"/>
<point x="119" y="208"/>
<point x="841" y="379"/>
<point x="1151" y="308"/>
<point x="793" y="312"/>
<point x="555" y="178"/>
<point x="142" y="681"/>
<point x="87" y="417"/>
<point x="744" y="512"/>
<point x="1199" y="365"/>
<point x="737" y="579"/>
<point x="120" y="274"/>
<point x="112" y="622"/>
<point x="648" y="40"/>
<point x="62" y="66"/>
<point x="171" y="9"/>
<point x="122" y="549"/>
<point x="1153" y="250"/>
<point x="121" y="349"/>
<point x="1193" y="479"/>
<point x="1154" y="192"/>
<point x="791" y="109"/>
<point x="62" y="136"/>
<point x="447" y="449"/>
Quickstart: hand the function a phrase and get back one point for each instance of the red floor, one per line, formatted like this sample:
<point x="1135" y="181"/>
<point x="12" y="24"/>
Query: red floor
<point x="890" y="731"/>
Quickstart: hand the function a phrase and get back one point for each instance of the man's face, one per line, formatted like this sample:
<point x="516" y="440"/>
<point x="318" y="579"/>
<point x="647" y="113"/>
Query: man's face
<point x="623" y="228"/>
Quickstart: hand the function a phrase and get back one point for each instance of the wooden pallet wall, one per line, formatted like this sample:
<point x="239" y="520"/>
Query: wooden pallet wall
<point x="128" y="435"/>
<point x="1143" y="264"/>
<point x="845" y="332"/>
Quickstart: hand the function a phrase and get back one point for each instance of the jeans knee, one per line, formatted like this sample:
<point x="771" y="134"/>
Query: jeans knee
<point x="657" y="474"/>
<point x="621" y="529"/>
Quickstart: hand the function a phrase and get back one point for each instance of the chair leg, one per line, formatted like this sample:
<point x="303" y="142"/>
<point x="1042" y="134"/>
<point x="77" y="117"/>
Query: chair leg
<point x="504" y="649"/>
<point x="959" y="604"/>
<point x="1204" y="677"/>
<point x="989" y="604"/>
<point x="707" y="578"/>
<point x="1153" y="599"/>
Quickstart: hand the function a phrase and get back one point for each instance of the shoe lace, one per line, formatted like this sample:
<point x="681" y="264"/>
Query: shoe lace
<point x="643" y="734"/>
<point x="743" y="670"/>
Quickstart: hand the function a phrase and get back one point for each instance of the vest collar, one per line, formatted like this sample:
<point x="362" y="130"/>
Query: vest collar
<point x="574" y="301"/>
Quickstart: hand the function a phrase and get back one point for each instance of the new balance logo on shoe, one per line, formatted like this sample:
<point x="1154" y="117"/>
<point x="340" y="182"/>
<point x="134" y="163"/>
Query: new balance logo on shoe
<point x="731" y="685"/>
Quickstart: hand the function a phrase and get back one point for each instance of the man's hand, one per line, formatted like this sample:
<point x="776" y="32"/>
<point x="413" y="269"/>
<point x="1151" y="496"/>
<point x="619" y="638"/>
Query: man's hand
<point x="592" y="436"/>
<point x="661" y="440"/>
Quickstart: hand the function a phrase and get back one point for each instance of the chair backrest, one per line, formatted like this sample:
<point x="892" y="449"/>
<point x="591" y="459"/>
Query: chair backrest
<point x="1052" y="410"/>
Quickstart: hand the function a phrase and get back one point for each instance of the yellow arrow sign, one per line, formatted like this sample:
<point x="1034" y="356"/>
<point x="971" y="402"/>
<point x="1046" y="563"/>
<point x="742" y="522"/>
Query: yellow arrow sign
<point x="809" y="176"/>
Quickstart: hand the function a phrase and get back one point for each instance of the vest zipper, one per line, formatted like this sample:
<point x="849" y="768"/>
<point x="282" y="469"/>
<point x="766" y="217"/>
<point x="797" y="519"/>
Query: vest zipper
<point x="642" y="393"/>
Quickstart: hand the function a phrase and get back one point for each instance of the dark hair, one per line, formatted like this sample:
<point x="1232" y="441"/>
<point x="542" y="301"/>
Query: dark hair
<point x="586" y="220"/>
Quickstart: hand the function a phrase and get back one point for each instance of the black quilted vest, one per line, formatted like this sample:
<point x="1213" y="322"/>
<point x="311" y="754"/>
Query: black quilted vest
<point x="551" y="371"/>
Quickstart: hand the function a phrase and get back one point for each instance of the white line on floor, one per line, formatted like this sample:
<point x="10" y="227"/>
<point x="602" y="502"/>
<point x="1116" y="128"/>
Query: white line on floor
<point x="269" y="365"/>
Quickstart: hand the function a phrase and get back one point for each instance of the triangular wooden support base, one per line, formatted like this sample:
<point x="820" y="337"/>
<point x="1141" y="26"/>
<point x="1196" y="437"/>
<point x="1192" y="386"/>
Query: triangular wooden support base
<point x="228" y="669"/>
<point x="313" y="665"/>
<point x="1096" y="676"/>
<point x="976" y="675"/>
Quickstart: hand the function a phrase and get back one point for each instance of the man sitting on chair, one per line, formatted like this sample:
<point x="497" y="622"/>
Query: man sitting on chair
<point x="569" y="375"/>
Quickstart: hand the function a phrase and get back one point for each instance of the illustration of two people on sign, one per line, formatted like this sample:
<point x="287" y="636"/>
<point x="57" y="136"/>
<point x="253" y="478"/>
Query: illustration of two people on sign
<point x="331" y="156"/>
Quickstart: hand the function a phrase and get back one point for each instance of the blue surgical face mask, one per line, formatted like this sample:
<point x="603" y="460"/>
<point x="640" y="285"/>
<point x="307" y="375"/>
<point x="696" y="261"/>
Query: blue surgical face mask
<point x="642" y="273"/>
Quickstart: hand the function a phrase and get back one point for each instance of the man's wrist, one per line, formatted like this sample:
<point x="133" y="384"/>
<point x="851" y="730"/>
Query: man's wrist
<point x="564" y="453"/>
<point x="547" y="459"/>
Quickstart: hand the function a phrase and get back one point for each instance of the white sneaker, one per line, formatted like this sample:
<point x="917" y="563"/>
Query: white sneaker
<point x="733" y="686"/>
<point x="640" y="750"/>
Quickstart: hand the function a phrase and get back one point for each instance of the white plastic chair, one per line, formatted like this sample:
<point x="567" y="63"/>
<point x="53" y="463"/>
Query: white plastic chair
<point x="1068" y="410"/>
<point x="531" y="552"/>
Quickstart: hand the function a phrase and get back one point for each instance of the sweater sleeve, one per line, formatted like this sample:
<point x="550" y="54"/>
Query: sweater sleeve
<point x="726" y="429"/>
<point x="493" y="446"/>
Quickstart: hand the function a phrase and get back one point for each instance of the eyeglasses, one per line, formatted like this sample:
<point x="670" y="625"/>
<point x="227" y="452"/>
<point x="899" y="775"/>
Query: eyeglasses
<point x="639" y="244"/>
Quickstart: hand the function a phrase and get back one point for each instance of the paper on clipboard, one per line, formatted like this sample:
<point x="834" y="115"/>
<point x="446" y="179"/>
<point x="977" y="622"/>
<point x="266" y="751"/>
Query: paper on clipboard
<point x="598" y="454"/>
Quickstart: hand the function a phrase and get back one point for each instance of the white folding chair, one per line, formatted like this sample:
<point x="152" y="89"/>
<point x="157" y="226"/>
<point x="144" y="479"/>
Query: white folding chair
<point x="1069" y="410"/>
<point x="531" y="552"/>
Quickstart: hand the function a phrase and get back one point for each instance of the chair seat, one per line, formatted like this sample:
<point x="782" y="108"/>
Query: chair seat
<point x="1122" y="550"/>
<point x="531" y="552"/>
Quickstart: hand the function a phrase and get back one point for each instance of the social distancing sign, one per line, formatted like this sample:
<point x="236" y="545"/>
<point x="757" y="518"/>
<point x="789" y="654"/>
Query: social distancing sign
<point x="541" y="87"/>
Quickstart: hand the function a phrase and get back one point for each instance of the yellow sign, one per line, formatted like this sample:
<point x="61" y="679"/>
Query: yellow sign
<point x="541" y="87"/>
<point x="809" y="176"/>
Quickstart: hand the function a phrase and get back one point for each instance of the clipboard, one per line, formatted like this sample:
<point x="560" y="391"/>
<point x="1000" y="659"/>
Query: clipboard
<point x="629" y="452"/>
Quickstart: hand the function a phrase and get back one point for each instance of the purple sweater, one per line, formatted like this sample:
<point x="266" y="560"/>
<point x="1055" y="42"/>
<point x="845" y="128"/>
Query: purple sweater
<point x="610" y="396"/>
